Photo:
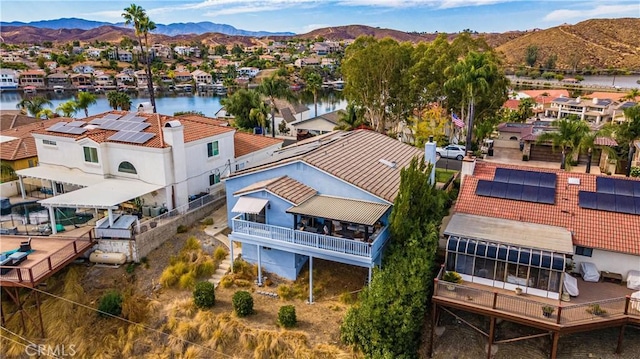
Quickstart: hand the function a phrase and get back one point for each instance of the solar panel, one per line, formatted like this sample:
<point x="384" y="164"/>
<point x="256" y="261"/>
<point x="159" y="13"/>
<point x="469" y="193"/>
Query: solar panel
<point x="484" y="188"/>
<point x="606" y="202"/>
<point x="97" y="121"/>
<point x="636" y="189"/>
<point x="60" y="127"/>
<point x="529" y="193"/>
<point x="637" y="201"/>
<point x="605" y="185"/>
<point x="502" y="175"/>
<point x="588" y="200"/>
<point x="624" y="187"/>
<point x="531" y="178"/>
<point x="499" y="189"/>
<point x="76" y="123"/>
<point x="547" y="195"/>
<point x="548" y="180"/>
<point x="143" y="137"/>
<point x="514" y="191"/>
<point x="625" y="204"/>
<point x="127" y="117"/>
<point x="111" y="116"/>
<point x="137" y="119"/>
<point x="517" y="177"/>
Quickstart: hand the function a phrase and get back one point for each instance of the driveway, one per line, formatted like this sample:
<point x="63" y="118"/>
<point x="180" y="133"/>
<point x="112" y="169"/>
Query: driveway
<point x="514" y="156"/>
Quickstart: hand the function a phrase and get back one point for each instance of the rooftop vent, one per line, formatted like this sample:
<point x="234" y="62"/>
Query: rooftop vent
<point x="388" y="163"/>
<point x="573" y="180"/>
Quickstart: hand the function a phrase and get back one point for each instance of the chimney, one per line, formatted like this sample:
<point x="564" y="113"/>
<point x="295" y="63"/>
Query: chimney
<point x="173" y="133"/>
<point x="468" y="167"/>
<point x="430" y="157"/>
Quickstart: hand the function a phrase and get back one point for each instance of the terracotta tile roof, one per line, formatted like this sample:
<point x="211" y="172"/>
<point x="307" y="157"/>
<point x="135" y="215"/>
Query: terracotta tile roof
<point x="511" y="104"/>
<point x="245" y="143"/>
<point x="611" y="231"/>
<point x="550" y="92"/>
<point x="284" y="186"/>
<point x="606" y="95"/>
<point x="24" y="146"/>
<point x="14" y="118"/>
<point x="195" y="128"/>
<point x="605" y="141"/>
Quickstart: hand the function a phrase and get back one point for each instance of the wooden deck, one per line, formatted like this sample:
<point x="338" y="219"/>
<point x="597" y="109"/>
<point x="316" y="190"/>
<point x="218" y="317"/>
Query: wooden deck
<point x="50" y="255"/>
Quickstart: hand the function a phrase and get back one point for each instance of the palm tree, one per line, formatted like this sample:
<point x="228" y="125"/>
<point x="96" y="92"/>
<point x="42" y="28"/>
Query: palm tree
<point x="313" y="85"/>
<point x="137" y="16"/>
<point x="588" y="144"/>
<point x="68" y="109"/>
<point x="473" y="76"/>
<point x="631" y="95"/>
<point x="46" y="113"/>
<point x="112" y="98"/>
<point x="123" y="101"/>
<point x="274" y="87"/>
<point x="259" y="114"/>
<point x="33" y="105"/>
<point x="351" y="119"/>
<point x="84" y="100"/>
<point x="568" y="136"/>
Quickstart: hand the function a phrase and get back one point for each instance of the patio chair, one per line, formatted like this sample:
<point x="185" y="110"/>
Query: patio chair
<point x="25" y="246"/>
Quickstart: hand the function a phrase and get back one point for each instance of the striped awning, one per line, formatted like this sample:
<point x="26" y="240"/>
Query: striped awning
<point x="341" y="209"/>
<point x="249" y="205"/>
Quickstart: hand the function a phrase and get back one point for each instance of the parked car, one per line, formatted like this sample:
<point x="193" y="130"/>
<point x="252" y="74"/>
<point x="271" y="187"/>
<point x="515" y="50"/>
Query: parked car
<point x="451" y="151"/>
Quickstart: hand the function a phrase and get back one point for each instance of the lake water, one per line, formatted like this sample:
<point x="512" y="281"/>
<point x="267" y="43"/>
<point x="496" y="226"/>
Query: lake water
<point x="168" y="105"/>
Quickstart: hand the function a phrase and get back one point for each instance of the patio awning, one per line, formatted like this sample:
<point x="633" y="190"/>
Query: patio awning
<point x="249" y="205"/>
<point x="341" y="209"/>
<point x="61" y="175"/>
<point x="508" y="232"/>
<point x="107" y="194"/>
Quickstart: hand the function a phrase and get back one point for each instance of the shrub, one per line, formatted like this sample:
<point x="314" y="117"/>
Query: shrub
<point x="226" y="281"/>
<point x="242" y="283"/>
<point x="187" y="280"/>
<point x="451" y="276"/>
<point x="635" y="171"/>
<point x="242" y="303"/>
<point x="204" y="295"/>
<point x="595" y="309"/>
<point x="287" y="316"/>
<point x="347" y="298"/>
<point x="110" y="303"/>
<point x="208" y="221"/>
<point x="182" y="228"/>
<point x="130" y="268"/>
<point x="219" y="254"/>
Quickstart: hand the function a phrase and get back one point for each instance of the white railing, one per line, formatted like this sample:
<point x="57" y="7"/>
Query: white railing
<point x="307" y="239"/>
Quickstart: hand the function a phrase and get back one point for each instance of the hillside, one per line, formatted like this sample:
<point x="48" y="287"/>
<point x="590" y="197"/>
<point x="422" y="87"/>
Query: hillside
<point x="599" y="43"/>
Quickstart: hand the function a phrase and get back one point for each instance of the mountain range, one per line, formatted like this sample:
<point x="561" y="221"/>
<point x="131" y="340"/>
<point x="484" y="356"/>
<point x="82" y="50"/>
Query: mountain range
<point x="591" y="44"/>
<point x="197" y="28"/>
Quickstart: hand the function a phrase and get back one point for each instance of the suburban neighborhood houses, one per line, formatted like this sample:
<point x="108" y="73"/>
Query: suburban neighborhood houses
<point x="352" y="192"/>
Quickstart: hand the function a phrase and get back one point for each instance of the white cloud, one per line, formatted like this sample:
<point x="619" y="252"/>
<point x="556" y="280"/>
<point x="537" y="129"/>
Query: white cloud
<point x="311" y="27"/>
<point x="242" y="10"/>
<point x="442" y="4"/>
<point x="598" y="11"/>
<point x="107" y="15"/>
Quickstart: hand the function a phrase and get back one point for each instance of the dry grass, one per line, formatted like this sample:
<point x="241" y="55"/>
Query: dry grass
<point x="191" y="264"/>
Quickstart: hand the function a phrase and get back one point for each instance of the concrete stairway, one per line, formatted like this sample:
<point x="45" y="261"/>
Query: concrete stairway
<point x="216" y="231"/>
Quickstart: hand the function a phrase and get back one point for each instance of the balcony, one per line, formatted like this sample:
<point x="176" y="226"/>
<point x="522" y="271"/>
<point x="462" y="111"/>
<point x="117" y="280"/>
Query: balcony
<point x="319" y="245"/>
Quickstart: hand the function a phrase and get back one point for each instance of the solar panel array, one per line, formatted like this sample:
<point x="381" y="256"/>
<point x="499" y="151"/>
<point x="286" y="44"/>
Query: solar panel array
<point x="132" y="137"/>
<point x="63" y="127"/>
<point x="529" y="186"/>
<point x="612" y="195"/>
<point x="120" y="125"/>
<point x="76" y="123"/>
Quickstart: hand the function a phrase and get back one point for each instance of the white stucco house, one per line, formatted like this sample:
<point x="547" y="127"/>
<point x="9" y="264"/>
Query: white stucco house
<point x="119" y="156"/>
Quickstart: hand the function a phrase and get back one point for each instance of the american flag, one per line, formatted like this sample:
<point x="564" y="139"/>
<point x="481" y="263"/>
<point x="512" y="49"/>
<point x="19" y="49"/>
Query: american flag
<point x="457" y="121"/>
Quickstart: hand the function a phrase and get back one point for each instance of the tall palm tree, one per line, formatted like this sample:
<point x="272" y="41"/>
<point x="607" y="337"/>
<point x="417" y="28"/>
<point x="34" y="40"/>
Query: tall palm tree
<point x="68" y="109"/>
<point x="259" y="114"/>
<point x="473" y="76"/>
<point x="632" y="94"/>
<point x="351" y="119"/>
<point x="313" y="85"/>
<point x="112" y="98"/>
<point x="84" y="100"/>
<point x="137" y="16"/>
<point x="274" y="87"/>
<point x="588" y="144"/>
<point x="568" y="136"/>
<point x="47" y="113"/>
<point x="33" y="105"/>
<point x="123" y="101"/>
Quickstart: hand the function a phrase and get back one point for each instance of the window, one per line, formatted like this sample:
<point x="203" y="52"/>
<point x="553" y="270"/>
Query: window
<point x="584" y="251"/>
<point x="214" y="179"/>
<point x="212" y="149"/>
<point x="239" y="166"/>
<point x="49" y="142"/>
<point x="127" y="167"/>
<point x="31" y="163"/>
<point x="90" y="154"/>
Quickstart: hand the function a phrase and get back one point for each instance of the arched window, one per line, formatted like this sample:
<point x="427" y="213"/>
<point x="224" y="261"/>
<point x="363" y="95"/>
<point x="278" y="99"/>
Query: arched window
<point x="127" y="167"/>
<point x="513" y="138"/>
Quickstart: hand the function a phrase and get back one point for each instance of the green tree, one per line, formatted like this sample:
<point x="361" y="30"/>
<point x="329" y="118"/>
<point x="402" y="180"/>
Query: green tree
<point x="67" y="109"/>
<point x="350" y="119"/>
<point x="477" y="83"/>
<point x="259" y="115"/>
<point x="137" y="16"/>
<point x="220" y="50"/>
<point x="239" y="104"/>
<point x="313" y="83"/>
<point x="119" y="100"/>
<point x="531" y="55"/>
<point x="631" y="95"/>
<point x="273" y="88"/>
<point x="47" y="113"/>
<point x="568" y="134"/>
<point x="84" y="100"/>
<point x="33" y="105"/>
<point x="628" y="133"/>
<point x="525" y="109"/>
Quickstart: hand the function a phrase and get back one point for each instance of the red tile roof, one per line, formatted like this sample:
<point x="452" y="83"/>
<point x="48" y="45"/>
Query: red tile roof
<point x="617" y="232"/>
<point x="245" y="143"/>
<point x="24" y="146"/>
<point x="511" y="104"/>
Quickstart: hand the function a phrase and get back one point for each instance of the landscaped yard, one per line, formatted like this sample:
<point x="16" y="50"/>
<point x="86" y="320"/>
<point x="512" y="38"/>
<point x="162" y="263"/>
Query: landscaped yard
<point x="443" y="175"/>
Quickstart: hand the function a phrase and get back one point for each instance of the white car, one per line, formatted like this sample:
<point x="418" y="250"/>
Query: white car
<point x="451" y="151"/>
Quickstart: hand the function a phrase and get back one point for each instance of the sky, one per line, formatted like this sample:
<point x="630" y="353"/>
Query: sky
<point x="301" y="16"/>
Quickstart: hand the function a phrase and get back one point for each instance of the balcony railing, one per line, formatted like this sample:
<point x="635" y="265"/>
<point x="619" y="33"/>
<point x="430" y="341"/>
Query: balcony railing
<point x="307" y="239"/>
<point x="565" y="315"/>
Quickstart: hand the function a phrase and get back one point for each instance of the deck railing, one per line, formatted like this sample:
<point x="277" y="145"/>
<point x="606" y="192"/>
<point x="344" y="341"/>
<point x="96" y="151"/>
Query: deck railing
<point x="50" y="263"/>
<point x="606" y="309"/>
<point x="307" y="239"/>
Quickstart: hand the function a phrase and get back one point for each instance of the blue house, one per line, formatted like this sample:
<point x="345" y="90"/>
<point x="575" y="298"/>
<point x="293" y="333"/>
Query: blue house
<point x="327" y="197"/>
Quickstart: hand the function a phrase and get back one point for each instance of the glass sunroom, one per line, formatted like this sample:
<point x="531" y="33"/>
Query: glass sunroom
<point x="508" y="254"/>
